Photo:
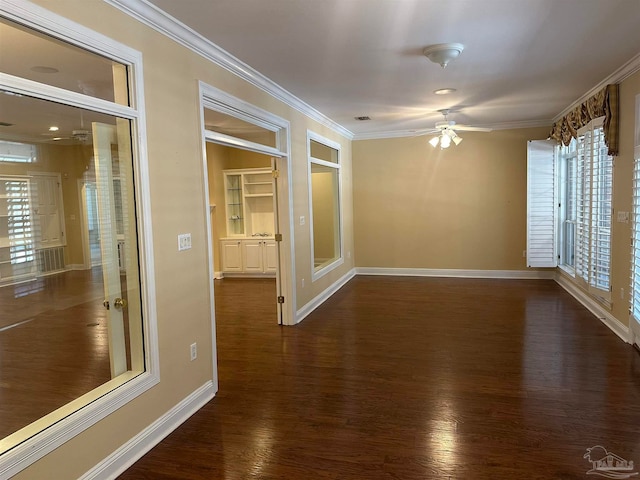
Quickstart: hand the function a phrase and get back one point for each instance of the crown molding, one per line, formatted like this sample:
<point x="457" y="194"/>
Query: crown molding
<point x="153" y="17"/>
<point x="620" y="75"/>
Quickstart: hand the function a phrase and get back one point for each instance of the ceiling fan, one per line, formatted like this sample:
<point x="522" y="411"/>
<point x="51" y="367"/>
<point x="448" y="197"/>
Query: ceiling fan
<point x="80" y="136"/>
<point x="447" y="131"/>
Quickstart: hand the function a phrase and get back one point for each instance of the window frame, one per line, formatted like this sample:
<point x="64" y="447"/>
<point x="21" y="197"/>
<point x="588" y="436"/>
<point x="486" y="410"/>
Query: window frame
<point x="589" y="193"/>
<point x="634" y="297"/>
<point x="567" y="157"/>
<point x="339" y="260"/>
<point x="42" y="437"/>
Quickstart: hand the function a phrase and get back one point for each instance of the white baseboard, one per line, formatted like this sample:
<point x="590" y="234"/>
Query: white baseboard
<point x="77" y="266"/>
<point x="594" y="307"/>
<point x="320" y="299"/>
<point x="134" y="449"/>
<point x="432" y="272"/>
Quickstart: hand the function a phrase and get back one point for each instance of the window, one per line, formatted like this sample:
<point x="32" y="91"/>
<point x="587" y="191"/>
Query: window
<point x="76" y="112"/>
<point x="324" y="200"/>
<point x="567" y="159"/>
<point x="584" y="186"/>
<point x="17" y="152"/>
<point x="594" y="189"/>
<point x="635" y="243"/>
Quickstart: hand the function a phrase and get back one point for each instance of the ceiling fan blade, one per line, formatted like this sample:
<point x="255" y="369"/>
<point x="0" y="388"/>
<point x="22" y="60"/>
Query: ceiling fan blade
<point x="465" y="128"/>
<point x="431" y="131"/>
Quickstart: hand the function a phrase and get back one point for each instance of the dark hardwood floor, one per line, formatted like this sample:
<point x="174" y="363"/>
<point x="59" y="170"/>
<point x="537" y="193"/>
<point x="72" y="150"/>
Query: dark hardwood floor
<point x="53" y="345"/>
<point x="409" y="378"/>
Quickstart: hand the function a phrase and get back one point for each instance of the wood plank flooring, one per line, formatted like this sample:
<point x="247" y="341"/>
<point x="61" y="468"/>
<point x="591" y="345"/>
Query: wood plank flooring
<point x="409" y="378"/>
<point x="53" y="345"/>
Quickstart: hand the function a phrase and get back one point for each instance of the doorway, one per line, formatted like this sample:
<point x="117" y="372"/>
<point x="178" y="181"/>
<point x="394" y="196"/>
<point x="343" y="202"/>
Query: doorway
<point x="243" y="207"/>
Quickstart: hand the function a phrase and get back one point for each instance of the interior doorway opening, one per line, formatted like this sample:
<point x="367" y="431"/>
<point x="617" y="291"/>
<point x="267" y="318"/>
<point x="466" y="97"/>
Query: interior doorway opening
<point x="243" y="208"/>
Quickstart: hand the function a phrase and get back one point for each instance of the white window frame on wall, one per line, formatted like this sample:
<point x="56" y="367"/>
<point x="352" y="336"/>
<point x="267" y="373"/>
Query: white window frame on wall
<point x="105" y="399"/>
<point x="315" y="275"/>
<point x="585" y="272"/>
<point x="566" y="218"/>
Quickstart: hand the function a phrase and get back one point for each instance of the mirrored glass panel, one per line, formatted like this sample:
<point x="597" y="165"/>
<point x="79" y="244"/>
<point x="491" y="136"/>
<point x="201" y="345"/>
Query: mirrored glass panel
<point x="70" y="303"/>
<point x="222" y="123"/>
<point x="324" y="172"/>
<point x="28" y="54"/>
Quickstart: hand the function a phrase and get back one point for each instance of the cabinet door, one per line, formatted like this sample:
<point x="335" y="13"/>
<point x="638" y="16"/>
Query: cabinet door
<point x="252" y="256"/>
<point x="231" y="255"/>
<point x="270" y="257"/>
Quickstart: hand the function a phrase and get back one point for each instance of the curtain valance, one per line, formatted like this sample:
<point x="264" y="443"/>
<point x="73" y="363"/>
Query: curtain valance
<point x="603" y="104"/>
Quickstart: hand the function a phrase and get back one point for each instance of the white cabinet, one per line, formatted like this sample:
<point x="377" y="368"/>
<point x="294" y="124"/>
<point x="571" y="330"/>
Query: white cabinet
<point x="231" y="255"/>
<point x="249" y="256"/>
<point x="249" y="247"/>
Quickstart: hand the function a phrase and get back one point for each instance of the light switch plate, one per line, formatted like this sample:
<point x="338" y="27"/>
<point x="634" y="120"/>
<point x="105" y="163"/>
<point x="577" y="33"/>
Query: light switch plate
<point x="623" y="217"/>
<point x="184" y="241"/>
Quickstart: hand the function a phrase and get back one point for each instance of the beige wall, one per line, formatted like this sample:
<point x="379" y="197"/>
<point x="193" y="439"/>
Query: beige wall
<point x="178" y="205"/>
<point x="460" y="208"/>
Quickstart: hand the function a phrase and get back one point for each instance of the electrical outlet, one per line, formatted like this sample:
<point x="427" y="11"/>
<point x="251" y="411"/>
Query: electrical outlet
<point x="621" y="293"/>
<point x="302" y="283"/>
<point x="301" y="219"/>
<point x="194" y="351"/>
<point x="184" y="241"/>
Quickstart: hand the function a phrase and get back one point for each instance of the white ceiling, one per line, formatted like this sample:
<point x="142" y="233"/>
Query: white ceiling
<point x="524" y="62"/>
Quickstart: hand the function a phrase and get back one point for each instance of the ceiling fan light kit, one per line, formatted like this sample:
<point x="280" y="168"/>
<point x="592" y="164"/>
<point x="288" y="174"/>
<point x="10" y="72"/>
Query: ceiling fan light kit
<point x="445" y="138"/>
<point x="443" y="53"/>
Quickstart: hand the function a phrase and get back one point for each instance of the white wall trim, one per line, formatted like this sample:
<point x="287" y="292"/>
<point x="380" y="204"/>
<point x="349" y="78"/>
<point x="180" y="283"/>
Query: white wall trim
<point x="595" y="308"/>
<point x="322" y="297"/>
<point x="428" y="131"/>
<point x="624" y="72"/>
<point x="77" y="266"/>
<point x="457" y="273"/>
<point x="162" y="22"/>
<point x="134" y="449"/>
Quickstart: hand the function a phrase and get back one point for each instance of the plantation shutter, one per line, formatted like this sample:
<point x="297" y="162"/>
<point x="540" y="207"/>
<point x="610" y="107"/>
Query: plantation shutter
<point x="583" y="203"/>
<point x="541" y="204"/>
<point x="635" y="242"/>
<point x="601" y="209"/>
<point x="635" y="249"/>
<point x="16" y="230"/>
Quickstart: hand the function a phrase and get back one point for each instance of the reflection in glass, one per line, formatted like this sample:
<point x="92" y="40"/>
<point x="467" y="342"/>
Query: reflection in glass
<point x="222" y="123"/>
<point x="43" y="59"/>
<point x="326" y="215"/>
<point x="70" y="304"/>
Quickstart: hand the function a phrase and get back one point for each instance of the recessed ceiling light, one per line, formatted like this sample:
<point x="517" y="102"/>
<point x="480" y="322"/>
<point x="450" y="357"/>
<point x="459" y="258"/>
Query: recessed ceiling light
<point x="363" y="118"/>
<point x="43" y="69"/>
<point x="444" y="91"/>
<point x="53" y="129"/>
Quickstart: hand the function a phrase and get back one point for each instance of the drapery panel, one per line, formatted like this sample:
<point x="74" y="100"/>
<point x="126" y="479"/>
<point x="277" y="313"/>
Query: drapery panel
<point x="605" y="103"/>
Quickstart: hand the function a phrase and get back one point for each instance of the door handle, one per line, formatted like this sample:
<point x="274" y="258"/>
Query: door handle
<point x="120" y="303"/>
